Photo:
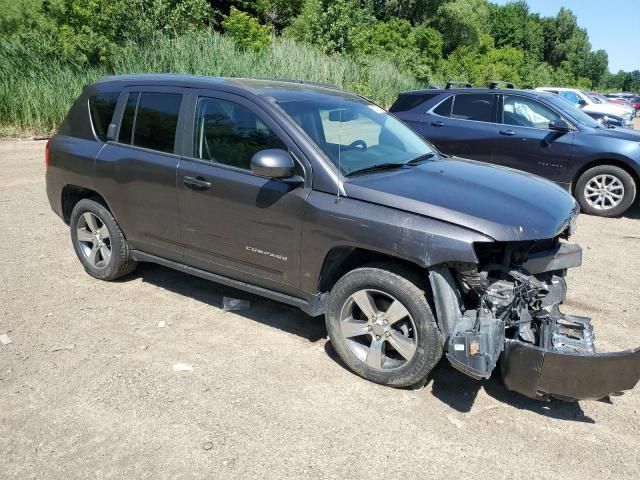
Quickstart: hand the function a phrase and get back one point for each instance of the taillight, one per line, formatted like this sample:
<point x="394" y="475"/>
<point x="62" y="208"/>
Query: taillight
<point x="47" y="153"/>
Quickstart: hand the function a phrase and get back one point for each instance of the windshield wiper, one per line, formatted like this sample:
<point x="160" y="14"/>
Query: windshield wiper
<point x="421" y="158"/>
<point x="390" y="165"/>
<point x="373" y="168"/>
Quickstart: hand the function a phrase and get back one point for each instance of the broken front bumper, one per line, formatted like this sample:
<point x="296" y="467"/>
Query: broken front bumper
<point x="540" y="373"/>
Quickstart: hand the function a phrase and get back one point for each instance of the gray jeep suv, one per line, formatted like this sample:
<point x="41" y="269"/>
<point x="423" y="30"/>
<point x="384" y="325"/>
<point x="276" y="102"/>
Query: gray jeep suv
<point x="318" y="198"/>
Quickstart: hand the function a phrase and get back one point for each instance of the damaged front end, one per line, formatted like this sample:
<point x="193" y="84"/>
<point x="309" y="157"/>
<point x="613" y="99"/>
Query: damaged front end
<point x="507" y="307"/>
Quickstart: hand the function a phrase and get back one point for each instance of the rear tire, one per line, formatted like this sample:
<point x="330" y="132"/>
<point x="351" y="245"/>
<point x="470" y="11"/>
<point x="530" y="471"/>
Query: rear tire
<point x="605" y="190"/>
<point x="381" y="325"/>
<point x="98" y="241"/>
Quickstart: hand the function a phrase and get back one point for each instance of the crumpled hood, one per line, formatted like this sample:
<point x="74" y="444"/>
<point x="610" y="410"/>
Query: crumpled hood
<point x="608" y="108"/>
<point x="499" y="202"/>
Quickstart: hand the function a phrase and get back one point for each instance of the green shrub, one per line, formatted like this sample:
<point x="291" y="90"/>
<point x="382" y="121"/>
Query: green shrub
<point x="246" y="31"/>
<point x="36" y="91"/>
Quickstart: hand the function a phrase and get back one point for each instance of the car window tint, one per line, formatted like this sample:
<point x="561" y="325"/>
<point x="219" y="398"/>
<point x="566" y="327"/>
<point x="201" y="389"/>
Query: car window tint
<point x="526" y="112"/>
<point x="156" y="121"/>
<point x="126" y="126"/>
<point x="231" y="134"/>
<point x="444" y="109"/>
<point x="404" y="103"/>
<point x="101" y="107"/>
<point x="472" y="106"/>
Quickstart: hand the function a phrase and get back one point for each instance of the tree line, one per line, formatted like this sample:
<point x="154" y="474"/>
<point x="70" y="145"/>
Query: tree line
<point x="432" y="40"/>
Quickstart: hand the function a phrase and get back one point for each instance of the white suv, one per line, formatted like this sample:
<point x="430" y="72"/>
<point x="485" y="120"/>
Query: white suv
<point x="584" y="101"/>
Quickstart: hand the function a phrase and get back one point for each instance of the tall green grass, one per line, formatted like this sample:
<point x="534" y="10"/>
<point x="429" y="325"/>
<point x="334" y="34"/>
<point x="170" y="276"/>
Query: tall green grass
<point x="36" y="92"/>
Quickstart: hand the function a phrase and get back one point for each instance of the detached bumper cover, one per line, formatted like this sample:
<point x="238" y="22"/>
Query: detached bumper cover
<point x="539" y="373"/>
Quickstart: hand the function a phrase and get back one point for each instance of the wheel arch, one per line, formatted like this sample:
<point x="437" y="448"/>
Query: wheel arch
<point x="72" y="194"/>
<point x="341" y="259"/>
<point x="606" y="161"/>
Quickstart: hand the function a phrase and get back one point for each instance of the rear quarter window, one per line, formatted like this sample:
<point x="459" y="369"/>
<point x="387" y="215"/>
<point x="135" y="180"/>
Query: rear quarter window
<point x="407" y="102"/>
<point x="101" y="107"/>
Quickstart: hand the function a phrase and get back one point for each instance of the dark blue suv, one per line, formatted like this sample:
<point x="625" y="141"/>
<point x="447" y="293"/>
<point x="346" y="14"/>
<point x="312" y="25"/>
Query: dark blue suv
<point x="537" y="132"/>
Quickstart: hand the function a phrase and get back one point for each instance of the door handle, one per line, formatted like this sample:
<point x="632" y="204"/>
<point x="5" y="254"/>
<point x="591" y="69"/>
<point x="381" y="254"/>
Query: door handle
<point x="508" y="133"/>
<point x="196" y="183"/>
<point x="437" y="124"/>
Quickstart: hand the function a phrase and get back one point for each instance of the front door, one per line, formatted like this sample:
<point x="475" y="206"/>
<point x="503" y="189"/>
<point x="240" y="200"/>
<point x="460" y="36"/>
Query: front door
<point x="524" y="140"/>
<point x="233" y="222"/>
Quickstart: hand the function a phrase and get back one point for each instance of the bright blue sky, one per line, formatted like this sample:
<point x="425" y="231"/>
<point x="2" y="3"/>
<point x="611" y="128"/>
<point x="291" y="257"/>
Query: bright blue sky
<point x="613" y="25"/>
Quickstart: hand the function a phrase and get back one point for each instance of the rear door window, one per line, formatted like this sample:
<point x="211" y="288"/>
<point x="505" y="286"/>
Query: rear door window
<point x="126" y="126"/>
<point x="472" y="106"/>
<point x="150" y="120"/>
<point x="444" y="109"/>
<point x="102" y="107"/>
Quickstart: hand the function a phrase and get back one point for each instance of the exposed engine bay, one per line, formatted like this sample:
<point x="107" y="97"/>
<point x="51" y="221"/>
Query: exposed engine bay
<point x="507" y="308"/>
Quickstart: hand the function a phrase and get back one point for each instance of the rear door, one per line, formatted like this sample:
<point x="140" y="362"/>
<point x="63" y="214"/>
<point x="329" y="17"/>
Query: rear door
<point x="234" y="222"/>
<point x="524" y="140"/>
<point x="136" y="172"/>
<point x="463" y="125"/>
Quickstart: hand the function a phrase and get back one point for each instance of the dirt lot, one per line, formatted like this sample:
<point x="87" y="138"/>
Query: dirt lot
<point x="88" y="390"/>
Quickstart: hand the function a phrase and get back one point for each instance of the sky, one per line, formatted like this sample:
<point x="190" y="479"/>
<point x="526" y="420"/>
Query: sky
<point x="612" y="25"/>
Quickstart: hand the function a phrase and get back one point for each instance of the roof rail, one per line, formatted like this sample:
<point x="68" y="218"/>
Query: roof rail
<point x="304" y="82"/>
<point x="494" y="84"/>
<point x="458" y="85"/>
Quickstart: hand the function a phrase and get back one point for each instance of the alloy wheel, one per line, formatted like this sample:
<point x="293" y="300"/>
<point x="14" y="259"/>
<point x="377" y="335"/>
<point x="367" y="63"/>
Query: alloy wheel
<point x="604" y="192"/>
<point x="378" y="329"/>
<point x="94" y="240"/>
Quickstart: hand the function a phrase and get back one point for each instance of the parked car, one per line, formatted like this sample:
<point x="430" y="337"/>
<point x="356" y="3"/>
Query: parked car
<point x="318" y="198"/>
<point x="534" y="131"/>
<point x="584" y="101"/>
<point x="609" y="120"/>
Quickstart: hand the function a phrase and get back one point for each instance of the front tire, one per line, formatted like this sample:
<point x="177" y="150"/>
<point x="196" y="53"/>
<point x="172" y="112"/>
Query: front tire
<point x="98" y="241"/>
<point x="380" y="324"/>
<point x="605" y="190"/>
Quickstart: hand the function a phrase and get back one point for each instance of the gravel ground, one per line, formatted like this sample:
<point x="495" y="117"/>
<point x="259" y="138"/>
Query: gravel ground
<point x="88" y="389"/>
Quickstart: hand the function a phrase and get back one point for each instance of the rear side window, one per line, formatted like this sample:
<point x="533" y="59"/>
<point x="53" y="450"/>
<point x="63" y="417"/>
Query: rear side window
<point x="126" y="126"/>
<point x="472" y="106"/>
<point x="156" y="121"/>
<point x="444" y="109"/>
<point x="404" y="103"/>
<point x="102" y="107"/>
<point x="150" y="120"/>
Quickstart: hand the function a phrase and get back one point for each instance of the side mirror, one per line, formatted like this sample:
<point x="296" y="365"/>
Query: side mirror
<point x="560" y="125"/>
<point x="273" y="163"/>
<point x="582" y="102"/>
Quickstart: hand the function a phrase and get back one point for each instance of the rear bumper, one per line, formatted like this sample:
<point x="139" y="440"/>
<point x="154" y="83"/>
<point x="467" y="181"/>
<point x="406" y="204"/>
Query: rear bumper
<point x="540" y="373"/>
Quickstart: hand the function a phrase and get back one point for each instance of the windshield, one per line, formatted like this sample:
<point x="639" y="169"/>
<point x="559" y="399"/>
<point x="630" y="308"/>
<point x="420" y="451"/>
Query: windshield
<point x="353" y="133"/>
<point x="573" y="111"/>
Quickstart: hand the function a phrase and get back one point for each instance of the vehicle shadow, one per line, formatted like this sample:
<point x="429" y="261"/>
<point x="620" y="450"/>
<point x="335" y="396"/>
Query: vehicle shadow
<point x="447" y="384"/>
<point x="274" y="314"/>
<point x="633" y="212"/>
<point x="460" y="392"/>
